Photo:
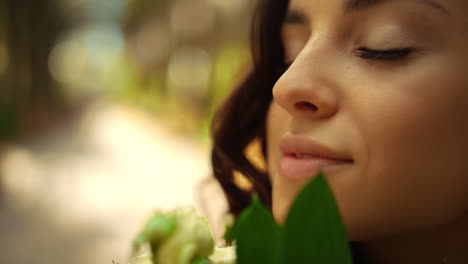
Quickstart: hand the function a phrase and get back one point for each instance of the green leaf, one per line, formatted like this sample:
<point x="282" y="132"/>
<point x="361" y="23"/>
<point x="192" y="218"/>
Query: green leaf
<point x="230" y="230"/>
<point x="229" y="234"/>
<point x="313" y="231"/>
<point x="201" y="260"/>
<point x="258" y="236"/>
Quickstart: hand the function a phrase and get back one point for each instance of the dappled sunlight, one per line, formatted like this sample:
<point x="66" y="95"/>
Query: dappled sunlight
<point x="105" y="111"/>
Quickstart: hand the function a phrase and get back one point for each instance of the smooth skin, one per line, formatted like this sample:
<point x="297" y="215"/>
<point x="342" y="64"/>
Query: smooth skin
<point x="401" y="117"/>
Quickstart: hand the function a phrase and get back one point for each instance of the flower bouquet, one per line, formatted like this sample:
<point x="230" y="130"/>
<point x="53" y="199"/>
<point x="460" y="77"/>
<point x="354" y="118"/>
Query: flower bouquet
<point x="312" y="233"/>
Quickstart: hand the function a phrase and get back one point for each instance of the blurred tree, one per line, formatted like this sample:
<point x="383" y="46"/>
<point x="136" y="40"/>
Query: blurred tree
<point x="29" y="97"/>
<point x="187" y="55"/>
<point x="140" y="21"/>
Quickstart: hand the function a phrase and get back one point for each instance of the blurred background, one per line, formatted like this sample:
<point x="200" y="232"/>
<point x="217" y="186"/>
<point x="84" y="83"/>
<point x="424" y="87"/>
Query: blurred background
<point x="104" y="117"/>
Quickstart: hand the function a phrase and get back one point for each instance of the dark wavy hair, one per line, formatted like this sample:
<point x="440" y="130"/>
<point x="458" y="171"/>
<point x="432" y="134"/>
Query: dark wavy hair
<point x="241" y="119"/>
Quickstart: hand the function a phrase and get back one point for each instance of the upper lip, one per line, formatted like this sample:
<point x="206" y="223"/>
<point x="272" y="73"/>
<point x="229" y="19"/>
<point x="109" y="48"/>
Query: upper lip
<point x="293" y="145"/>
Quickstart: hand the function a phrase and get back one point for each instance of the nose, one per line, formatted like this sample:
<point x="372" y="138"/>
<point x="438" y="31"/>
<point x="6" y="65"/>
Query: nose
<point x="307" y="89"/>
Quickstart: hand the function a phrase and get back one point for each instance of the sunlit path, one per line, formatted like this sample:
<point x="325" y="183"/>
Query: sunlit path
<point x="82" y="194"/>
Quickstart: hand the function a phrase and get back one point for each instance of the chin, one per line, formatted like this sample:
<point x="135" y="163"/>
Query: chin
<point x="284" y="193"/>
<point x="280" y="210"/>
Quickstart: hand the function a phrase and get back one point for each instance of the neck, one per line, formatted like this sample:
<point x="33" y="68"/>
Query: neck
<point x="448" y="243"/>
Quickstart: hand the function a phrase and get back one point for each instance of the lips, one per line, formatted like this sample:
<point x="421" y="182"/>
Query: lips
<point x="302" y="158"/>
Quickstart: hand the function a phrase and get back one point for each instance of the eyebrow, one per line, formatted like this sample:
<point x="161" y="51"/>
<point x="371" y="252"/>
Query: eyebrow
<point x="295" y="16"/>
<point x="357" y="5"/>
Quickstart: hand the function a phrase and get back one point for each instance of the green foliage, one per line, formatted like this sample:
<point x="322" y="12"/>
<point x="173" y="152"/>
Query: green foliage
<point x="178" y="237"/>
<point x="313" y="231"/>
<point x="229" y="234"/>
<point x="201" y="260"/>
<point x="258" y="236"/>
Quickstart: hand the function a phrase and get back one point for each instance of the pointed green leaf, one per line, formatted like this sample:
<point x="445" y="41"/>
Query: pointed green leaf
<point x="230" y="232"/>
<point x="313" y="231"/>
<point x="258" y="236"/>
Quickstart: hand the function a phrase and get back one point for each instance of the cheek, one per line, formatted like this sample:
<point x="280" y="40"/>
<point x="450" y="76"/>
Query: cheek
<point x="422" y="120"/>
<point x="276" y="118"/>
<point x="415" y="162"/>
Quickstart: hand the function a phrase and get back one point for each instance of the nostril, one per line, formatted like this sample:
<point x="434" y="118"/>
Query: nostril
<point x="305" y="106"/>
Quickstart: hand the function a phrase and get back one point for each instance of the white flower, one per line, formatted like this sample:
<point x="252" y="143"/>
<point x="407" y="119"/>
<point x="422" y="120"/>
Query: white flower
<point x="224" y="255"/>
<point x="192" y="238"/>
<point x="180" y="237"/>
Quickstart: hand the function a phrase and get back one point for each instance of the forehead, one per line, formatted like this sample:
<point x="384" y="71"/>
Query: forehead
<point x="351" y="6"/>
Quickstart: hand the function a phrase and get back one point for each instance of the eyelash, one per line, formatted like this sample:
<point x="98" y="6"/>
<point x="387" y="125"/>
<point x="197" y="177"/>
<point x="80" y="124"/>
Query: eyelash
<point x="383" y="55"/>
<point x="370" y="54"/>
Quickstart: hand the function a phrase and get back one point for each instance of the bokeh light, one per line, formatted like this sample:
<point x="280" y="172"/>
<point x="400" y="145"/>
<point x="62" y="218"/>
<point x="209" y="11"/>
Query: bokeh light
<point x="229" y="7"/>
<point x="21" y="177"/>
<point x="151" y="44"/>
<point x="123" y="93"/>
<point x="189" y="73"/>
<point x="67" y="61"/>
<point x="192" y="18"/>
<point x="84" y="56"/>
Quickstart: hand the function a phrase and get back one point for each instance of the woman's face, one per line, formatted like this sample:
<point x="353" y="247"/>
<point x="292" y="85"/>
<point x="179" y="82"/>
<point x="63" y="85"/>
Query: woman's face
<point x="385" y="87"/>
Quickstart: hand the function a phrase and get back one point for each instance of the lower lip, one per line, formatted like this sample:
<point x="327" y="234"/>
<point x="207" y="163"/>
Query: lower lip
<point x="304" y="168"/>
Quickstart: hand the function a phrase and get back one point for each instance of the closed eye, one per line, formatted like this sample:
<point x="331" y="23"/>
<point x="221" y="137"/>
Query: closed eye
<point x="369" y="54"/>
<point x="383" y="55"/>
